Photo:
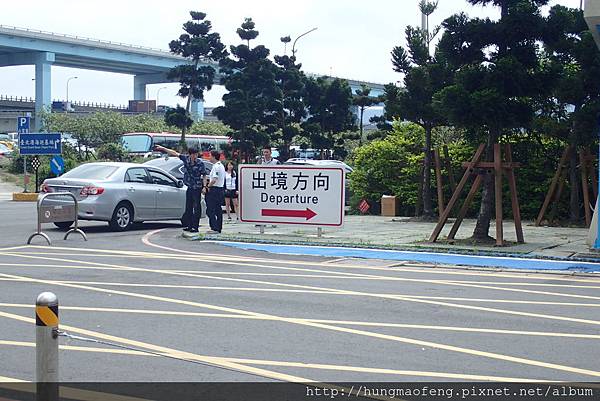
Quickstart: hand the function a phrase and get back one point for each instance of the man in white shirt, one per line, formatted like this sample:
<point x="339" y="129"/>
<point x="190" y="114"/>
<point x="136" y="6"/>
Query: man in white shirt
<point x="267" y="157"/>
<point x="214" y="194"/>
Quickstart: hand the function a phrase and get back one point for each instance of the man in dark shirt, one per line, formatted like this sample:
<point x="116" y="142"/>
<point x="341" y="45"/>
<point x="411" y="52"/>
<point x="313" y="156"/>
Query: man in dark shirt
<point x="194" y="177"/>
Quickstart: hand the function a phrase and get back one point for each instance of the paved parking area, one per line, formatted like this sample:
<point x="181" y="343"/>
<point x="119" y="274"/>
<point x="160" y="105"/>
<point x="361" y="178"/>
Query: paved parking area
<point x="250" y="316"/>
<point x="148" y="306"/>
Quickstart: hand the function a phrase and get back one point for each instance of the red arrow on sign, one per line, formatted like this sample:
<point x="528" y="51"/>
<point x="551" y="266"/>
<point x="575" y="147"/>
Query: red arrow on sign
<point x="308" y="214"/>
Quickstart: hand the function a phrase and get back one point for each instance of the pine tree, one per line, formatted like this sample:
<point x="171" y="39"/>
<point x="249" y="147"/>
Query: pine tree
<point x="200" y="46"/>
<point x="497" y="76"/>
<point x="252" y="103"/>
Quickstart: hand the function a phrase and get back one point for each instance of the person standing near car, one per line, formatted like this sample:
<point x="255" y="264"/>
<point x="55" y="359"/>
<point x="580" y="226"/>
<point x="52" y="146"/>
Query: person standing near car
<point x="194" y="178"/>
<point x="231" y="190"/>
<point x="214" y="194"/>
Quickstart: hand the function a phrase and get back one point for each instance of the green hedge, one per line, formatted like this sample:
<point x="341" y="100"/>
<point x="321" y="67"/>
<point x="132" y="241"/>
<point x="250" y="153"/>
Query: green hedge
<point x="391" y="166"/>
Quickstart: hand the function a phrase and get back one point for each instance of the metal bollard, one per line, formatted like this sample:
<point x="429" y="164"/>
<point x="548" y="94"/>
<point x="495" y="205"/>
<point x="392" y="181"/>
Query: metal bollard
<point x="46" y="350"/>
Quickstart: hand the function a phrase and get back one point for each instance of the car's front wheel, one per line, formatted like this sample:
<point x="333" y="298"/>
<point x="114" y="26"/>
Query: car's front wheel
<point x="122" y="218"/>
<point x="63" y="225"/>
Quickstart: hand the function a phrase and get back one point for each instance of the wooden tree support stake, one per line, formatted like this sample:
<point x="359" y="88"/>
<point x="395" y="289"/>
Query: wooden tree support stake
<point x="587" y="173"/>
<point x="514" y="198"/>
<point x="479" y="168"/>
<point x="553" y="184"/>
<point x="438" y="180"/>
<point x="468" y="171"/>
<point x="448" y="166"/>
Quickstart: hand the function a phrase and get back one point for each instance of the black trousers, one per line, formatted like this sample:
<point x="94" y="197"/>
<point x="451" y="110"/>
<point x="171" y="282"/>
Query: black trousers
<point x="193" y="208"/>
<point x="214" y="199"/>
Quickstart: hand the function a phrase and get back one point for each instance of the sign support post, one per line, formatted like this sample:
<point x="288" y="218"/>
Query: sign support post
<point x="23" y="128"/>
<point x="25" y="174"/>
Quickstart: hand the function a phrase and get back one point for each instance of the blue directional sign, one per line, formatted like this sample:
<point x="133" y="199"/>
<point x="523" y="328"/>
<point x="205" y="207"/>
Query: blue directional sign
<point x="23" y="124"/>
<point x="40" y="144"/>
<point x="57" y="165"/>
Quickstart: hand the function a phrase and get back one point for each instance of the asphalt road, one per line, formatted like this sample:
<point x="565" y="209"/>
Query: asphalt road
<point x="216" y="313"/>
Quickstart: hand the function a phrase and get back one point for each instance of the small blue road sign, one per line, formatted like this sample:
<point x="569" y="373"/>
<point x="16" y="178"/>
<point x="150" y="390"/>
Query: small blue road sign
<point x="23" y="124"/>
<point x="40" y="144"/>
<point x="57" y="165"/>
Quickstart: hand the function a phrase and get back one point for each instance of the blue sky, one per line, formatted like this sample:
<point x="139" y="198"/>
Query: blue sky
<point x="353" y="39"/>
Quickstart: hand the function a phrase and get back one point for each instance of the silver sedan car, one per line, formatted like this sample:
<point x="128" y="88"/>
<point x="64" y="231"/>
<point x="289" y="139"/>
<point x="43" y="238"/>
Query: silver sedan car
<point x="120" y="193"/>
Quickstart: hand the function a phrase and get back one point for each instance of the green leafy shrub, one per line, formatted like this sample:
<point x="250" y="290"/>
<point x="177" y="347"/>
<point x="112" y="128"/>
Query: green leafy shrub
<point x="112" y="152"/>
<point x="388" y="166"/>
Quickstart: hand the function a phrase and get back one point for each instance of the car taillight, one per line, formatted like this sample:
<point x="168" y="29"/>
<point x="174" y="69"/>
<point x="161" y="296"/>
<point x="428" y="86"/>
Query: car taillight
<point x="46" y="188"/>
<point x="85" y="191"/>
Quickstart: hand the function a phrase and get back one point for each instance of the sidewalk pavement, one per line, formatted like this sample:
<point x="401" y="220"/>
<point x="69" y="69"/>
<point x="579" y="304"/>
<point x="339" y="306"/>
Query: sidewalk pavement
<point x="7" y="189"/>
<point x="401" y="233"/>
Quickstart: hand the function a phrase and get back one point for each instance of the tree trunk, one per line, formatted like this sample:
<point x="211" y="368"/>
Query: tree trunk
<point x="427" y="205"/>
<point x="574" y="179"/>
<point x="486" y="210"/>
<point x="188" y="107"/>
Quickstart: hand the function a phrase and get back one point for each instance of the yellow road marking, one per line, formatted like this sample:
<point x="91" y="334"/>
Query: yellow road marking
<point x="444" y="270"/>
<point x="78" y="348"/>
<point x="168" y="351"/>
<point x="324" y="292"/>
<point x="328" y="321"/>
<point x="469" y="351"/>
<point x="449" y="283"/>
<point x="4" y="379"/>
<point x="396" y="297"/>
<point x="304" y="365"/>
<point x="378" y="370"/>
<point x="525" y="284"/>
<point x="328" y="274"/>
<point x="555" y="294"/>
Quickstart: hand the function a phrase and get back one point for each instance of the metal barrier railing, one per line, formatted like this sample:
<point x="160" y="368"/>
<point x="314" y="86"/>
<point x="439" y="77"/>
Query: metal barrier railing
<point x="57" y="214"/>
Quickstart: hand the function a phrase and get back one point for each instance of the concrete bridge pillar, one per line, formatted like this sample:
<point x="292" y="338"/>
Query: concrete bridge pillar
<point x="43" y="62"/>
<point x="43" y="93"/>
<point x="197" y="111"/>
<point x="139" y="87"/>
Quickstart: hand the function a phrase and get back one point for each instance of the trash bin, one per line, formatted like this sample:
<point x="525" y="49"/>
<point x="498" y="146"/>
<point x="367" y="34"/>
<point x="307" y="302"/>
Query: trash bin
<point x="389" y="205"/>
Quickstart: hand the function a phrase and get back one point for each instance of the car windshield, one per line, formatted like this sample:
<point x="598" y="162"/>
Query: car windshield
<point x="91" y="171"/>
<point x="137" y="143"/>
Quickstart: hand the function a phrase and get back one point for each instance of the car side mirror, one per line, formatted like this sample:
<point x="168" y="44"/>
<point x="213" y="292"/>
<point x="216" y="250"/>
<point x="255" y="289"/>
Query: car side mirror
<point x="179" y="184"/>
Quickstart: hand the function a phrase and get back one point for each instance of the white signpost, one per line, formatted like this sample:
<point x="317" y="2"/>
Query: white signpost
<point x="305" y="195"/>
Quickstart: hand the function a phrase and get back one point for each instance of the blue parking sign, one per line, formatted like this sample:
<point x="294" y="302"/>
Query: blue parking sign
<point x="23" y="124"/>
<point x="57" y="165"/>
<point x="40" y="144"/>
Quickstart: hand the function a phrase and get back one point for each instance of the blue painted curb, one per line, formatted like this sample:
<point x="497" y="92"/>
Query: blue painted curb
<point x="423" y="257"/>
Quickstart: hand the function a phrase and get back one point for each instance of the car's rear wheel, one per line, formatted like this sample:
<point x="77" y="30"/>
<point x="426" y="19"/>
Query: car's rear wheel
<point x="63" y="225"/>
<point x="122" y="218"/>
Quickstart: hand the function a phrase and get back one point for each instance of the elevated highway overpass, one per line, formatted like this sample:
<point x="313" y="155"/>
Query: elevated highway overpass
<point x="19" y="46"/>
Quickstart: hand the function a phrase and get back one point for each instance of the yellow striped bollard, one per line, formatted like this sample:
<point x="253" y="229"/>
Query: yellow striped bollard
<point x="46" y="349"/>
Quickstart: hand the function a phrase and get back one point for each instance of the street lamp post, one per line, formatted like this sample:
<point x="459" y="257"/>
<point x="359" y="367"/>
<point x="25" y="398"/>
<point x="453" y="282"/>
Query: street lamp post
<point x="158" y="93"/>
<point x="294" y="44"/>
<point x="68" y="86"/>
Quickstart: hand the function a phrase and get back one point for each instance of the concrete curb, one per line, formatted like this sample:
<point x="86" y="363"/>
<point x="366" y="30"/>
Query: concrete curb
<point x="436" y="258"/>
<point x="24" y="197"/>
<point x="417" y="248"/>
